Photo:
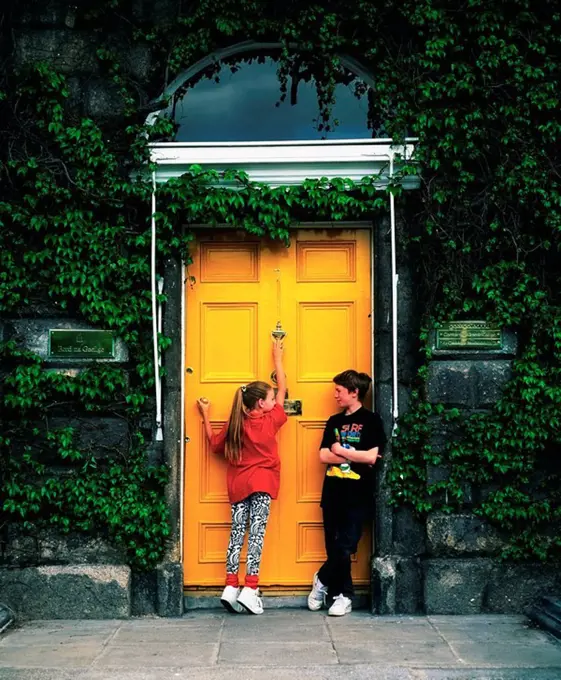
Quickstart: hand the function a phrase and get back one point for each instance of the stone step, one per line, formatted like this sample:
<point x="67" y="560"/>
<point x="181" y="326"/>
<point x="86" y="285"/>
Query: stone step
<point x="552" y="605"/>
<point x="547" y="615"/>
<point x="361" y="601"/>
<point x="6" y="617"/>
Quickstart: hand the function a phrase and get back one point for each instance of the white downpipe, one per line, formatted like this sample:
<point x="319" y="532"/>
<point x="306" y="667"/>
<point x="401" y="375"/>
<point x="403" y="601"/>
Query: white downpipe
<point x="155" y="320"/>
<point x="160" y="310"/>
<point x="160" y="326"/>
<point x="395" y="280"/>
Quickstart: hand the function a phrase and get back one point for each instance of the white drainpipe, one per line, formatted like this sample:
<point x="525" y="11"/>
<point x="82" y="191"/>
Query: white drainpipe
<point x="395" y="280"/>
<point x="156" y="318"/>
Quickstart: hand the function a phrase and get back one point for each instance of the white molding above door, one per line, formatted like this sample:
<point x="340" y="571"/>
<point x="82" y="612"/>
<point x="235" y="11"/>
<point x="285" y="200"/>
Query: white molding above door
<point x="287" y="163"/>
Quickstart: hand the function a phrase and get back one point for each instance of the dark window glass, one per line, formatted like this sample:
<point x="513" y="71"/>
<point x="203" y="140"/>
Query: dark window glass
<point x="240" y="103"/>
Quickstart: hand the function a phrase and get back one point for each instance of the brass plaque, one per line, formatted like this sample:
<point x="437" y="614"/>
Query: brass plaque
<point x="293" y="407"/>
<point x="79" y="344"/>
<point x="469" y="335"/>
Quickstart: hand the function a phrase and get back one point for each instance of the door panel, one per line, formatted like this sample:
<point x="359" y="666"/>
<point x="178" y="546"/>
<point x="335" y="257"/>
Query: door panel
<point x="238" y="287"/>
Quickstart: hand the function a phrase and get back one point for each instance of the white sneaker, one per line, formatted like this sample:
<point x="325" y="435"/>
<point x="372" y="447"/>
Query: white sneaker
<point x="317" y="597"/>
<point x="229" y="599"/>
<point x="250" y="600"/>
<point x="341" y="605"/>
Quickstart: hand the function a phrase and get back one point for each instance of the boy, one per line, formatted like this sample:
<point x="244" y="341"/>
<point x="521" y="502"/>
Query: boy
<point x="351" y="444"/>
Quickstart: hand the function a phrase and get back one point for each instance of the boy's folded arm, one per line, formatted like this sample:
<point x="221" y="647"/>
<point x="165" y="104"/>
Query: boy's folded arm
<point x="369" y="456"/>
<point x="329" y="458"/>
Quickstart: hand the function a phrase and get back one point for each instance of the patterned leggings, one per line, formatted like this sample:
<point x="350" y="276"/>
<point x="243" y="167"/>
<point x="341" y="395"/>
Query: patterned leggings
<point x="254" y="508"/>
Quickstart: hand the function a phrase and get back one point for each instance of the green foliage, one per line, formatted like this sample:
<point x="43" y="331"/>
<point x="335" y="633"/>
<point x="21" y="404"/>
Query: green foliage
<point x="477" y="83"/>
<point x="76" y="240"/>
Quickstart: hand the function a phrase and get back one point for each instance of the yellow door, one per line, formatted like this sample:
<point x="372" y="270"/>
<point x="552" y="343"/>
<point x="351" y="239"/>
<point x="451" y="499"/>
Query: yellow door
<point x="238" y="287"/>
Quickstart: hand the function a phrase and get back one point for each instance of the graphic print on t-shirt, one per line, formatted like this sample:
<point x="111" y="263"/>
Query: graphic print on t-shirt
<point x="363" y="431"/>
<point x="348" y="434"/>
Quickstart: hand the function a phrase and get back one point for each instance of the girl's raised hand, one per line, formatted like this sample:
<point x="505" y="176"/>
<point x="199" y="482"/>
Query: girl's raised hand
<point x="204" y="404"/>
<point x="278" y="348"/>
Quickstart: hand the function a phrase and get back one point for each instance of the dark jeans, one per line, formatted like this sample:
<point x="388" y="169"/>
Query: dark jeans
<point x="342" y="529"/>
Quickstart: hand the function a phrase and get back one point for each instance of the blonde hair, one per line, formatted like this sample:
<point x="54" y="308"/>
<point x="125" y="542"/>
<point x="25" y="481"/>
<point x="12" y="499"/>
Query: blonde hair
<point x="245" y="399"/>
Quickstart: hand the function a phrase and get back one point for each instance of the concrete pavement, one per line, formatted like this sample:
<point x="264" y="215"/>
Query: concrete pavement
<point x="282" y="645"/>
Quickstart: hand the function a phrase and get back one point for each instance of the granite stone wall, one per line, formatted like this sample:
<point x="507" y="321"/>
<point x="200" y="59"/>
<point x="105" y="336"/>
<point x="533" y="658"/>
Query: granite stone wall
<point x="446" y="564"/>
<point x="45" y="573"/>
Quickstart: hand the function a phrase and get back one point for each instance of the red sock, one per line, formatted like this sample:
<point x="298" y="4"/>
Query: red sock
<point x="251" y="581"/>
<point x="232" y="580"/>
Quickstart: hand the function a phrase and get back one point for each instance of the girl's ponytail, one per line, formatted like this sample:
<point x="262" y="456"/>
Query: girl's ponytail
<point x="234" y="434"/>
<point x="245" y="399"/>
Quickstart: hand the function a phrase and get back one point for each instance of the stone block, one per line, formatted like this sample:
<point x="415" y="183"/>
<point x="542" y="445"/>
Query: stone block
<point x="67" y="592"/>
<point x="75" y="104"/>
<point x="47" y="546"/>
<point x="170" y="589"/>
<point x="471" y="384"/>
<point x="384" y="585"/>
<point x="103" y="437"/>
<point x="158" y="12"/>
<point x="451" y="382"/>
<point x="143" y="593"/>
<point x="396" y="585"/>
<point x="407" y="302"/>
<point x="492" y="376"/>
<point x="47" y="13"/>
<point x="464" y="534"/>
<point x="437" y="473"/>
<point x="383" y="273"/>
<point x="70" y="52"/>
<point x="409" y="589"/>
<point x="513" y="588"/>
<point x="408" y="533"/>
<point x="441" y="473"/>
<point x="102" y="100"/>
<point x="383" y="356"/>
<point x="407" y="357"/>
<point x="384" y="402"/>
<point x="454" y="586"/>
<point x="444" y="432"/>
<point x="33" y="335"/>
<point x="137" y="61"/>
<point x="154" y="452"/>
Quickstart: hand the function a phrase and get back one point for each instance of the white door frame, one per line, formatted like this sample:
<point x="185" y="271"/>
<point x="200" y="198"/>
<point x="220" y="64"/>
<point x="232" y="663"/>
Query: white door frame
<point x="279" y="164"/>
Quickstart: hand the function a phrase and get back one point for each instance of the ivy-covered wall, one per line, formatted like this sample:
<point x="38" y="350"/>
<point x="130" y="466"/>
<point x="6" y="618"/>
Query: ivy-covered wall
<point x="472" y="477"/>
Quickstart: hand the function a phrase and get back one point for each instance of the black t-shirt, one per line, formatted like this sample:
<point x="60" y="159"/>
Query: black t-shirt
<point x="363" y="431"/>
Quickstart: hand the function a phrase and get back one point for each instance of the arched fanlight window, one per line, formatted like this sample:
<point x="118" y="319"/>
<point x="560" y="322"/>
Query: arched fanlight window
<point x="237" y="98"/>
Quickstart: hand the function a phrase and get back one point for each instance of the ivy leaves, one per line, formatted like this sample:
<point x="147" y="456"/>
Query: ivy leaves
<point x="478" y="87"/>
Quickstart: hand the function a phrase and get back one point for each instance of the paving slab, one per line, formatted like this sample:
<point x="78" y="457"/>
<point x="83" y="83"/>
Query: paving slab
<point x="490" y="654"/>
<point x="220" y="673"/>
<point x="45" y="656"/>
<point x="156" y="654"/>
<point x="46" y="636"/>
<point x="180" y="632"/>
<point x="278" y="653"/>
<point x="283" y="645"/>
<point x="488" y="674"/>
<point x="260" y="629"/>
<point x="376" y="633"/>
<point x="519" y="634"/>
<point x="417" y="654"/>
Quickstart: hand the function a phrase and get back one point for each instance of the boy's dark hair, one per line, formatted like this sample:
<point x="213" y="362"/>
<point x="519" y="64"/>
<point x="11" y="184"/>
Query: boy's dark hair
<point x="353" y="380"/>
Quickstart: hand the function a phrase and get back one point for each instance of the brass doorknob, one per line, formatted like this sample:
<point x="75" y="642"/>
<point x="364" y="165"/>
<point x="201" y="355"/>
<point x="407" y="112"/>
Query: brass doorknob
<point x="278" y="333"/>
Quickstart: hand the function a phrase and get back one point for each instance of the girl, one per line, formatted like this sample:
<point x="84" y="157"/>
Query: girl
<point x="249" y="445"/>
